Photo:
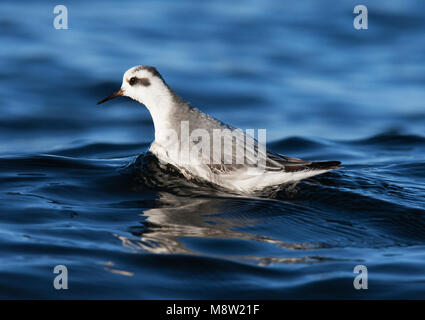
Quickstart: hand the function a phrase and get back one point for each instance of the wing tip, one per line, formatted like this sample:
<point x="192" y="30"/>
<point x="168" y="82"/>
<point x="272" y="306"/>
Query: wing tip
<point x="318" y="165"/>
<point x="325" y="165"/>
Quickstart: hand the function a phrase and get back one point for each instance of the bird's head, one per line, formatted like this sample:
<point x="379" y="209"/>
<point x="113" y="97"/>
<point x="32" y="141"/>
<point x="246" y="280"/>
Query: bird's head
<point x="141" y="83"/>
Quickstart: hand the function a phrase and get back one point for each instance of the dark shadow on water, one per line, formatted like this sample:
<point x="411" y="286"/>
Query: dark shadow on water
<point x="169" y="228"/>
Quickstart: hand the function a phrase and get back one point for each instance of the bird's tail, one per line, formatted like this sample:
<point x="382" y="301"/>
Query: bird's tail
<point x="318" y="165"/>
<point x="324" y="165"/>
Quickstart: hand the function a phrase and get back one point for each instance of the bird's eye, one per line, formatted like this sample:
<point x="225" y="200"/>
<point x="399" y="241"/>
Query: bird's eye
<point x="132" y="81"/>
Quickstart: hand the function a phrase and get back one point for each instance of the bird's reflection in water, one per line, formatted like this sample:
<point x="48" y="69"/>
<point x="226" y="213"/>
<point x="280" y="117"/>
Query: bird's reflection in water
<point x="176" y="219"/>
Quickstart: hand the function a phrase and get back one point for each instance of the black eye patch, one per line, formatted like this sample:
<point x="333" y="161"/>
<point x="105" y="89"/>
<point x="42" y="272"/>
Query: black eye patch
<point x="143" y="81"/>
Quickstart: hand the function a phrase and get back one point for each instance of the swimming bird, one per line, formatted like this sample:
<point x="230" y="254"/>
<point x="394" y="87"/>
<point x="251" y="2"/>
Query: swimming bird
<point x="205" y="148"/>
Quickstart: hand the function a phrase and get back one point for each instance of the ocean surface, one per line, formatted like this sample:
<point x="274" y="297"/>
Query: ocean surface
<point x="78" y="189"/>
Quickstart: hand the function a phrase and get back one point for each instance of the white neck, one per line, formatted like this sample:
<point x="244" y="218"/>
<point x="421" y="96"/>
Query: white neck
<point x="160" y="104"/>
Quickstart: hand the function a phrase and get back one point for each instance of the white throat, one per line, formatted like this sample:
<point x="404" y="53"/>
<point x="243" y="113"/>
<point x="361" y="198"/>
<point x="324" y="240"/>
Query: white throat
<point x="160" y="103"/>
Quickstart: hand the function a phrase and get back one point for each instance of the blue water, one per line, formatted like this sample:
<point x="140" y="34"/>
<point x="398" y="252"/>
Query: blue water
<point x="76" y="188"/>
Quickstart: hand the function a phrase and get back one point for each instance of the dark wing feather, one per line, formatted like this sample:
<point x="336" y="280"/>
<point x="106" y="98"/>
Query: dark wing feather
<point x="277" y="162"/>
<point x="294" y="164"/>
